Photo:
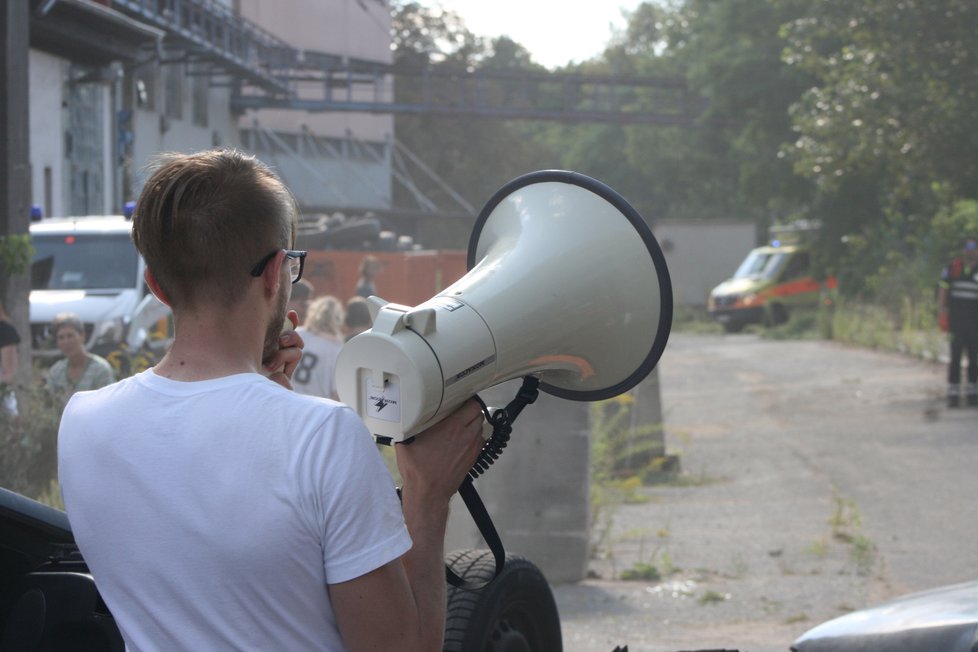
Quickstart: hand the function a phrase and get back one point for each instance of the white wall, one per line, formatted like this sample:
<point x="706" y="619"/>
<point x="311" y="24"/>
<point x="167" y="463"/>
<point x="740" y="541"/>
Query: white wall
<point x="46" y="85"/>
<point x="701" y="255"/>
<point x="154" y="135"/>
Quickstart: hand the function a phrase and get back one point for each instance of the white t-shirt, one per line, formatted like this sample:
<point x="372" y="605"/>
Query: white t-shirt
<point x="316" y="373"/>
<point x="212" y="514"/>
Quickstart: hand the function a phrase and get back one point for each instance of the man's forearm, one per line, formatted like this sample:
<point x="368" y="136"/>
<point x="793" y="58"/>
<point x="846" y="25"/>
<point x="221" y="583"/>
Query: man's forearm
<point x="424" y="564"/>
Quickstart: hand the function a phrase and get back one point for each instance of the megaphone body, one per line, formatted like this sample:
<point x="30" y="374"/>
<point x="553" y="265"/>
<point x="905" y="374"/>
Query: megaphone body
<point x="565" y="282"/>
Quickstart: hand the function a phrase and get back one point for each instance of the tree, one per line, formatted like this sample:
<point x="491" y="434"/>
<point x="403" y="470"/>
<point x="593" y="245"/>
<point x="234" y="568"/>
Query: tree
<point x="475" y="156"/>
<point x="891" y="113"/>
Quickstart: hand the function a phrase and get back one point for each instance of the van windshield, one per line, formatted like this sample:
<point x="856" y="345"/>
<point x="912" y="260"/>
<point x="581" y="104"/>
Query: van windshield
<point x="89" y="261"/>
<point x="761" y="264"/>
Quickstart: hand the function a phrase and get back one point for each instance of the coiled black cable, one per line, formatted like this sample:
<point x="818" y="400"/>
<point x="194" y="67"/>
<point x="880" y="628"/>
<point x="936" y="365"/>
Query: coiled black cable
<point x="502" y="425"/>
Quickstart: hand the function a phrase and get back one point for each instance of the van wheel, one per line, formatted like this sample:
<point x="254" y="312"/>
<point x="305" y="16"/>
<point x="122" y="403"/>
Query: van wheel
<point x="777" y="315"/>
<point x="515" y="612"/>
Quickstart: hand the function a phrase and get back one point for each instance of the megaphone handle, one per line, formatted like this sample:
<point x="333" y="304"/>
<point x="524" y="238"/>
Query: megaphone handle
<point x="488" y="531"/>
<point x="502" y="424"/>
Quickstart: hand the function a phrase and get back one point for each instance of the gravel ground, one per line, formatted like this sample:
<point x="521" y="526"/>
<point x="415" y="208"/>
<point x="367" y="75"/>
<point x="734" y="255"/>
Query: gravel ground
<point x="817" y="479"/>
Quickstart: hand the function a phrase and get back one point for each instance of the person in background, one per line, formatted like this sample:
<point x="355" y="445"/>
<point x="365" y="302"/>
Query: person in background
<point x="215" y="508"/>
<point x="957" y="299"/>
<point x="322" y="331"/>
<point x="357" y="317"/>
<point x="9" y="339"/>
<point x="369" y="268"/>
<point x="79" y="370"/>
<point x="302" y="293"/>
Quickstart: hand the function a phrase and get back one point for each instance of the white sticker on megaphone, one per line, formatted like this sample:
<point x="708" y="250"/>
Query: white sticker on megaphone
<point x="383" y="402"/>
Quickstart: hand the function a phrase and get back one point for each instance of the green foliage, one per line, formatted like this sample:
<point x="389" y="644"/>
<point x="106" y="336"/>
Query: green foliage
<point x="620" y="447"/>
<point x="473" y="156"/>
<point x="846" y="525"/>
<point x="910" y="328"/>
<point x="802" y="324"/>
<point x="711" y="597"/>
<point x="16" y="253"/>
<point x="860" y="115"/>
<point x="28" y="443"/>
<point x="885" y="132"/>
<point x="623" y="456"/>
<point x="642" y="571"/>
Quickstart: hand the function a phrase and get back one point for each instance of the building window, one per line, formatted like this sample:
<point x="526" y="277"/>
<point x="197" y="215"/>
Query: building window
<point x="200" y="85"/>
<point x="173" y="80"/>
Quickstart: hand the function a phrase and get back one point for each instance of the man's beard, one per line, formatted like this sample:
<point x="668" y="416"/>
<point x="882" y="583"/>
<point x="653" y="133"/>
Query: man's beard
<point x="274" y="329"/>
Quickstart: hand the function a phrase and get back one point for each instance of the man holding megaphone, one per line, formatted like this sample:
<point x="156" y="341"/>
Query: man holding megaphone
<point x="217" y="509"/>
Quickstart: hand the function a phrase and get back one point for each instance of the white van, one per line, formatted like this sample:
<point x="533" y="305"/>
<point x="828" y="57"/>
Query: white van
<point x="89" y="266"/>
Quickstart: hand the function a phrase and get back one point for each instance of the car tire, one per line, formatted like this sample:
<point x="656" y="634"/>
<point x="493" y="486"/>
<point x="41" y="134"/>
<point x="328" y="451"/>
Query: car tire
<point x="776" y="315"/>
<point x="514" y="612"/>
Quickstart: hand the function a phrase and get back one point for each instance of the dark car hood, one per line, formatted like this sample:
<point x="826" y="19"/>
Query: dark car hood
<point x="943" y="619"/>
<point x="32" y="535"/>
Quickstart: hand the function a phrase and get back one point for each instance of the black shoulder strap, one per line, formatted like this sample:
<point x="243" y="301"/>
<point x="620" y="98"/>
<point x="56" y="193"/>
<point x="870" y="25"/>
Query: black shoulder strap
<point x="488" y="531"/>
<point x="502" y="422"/>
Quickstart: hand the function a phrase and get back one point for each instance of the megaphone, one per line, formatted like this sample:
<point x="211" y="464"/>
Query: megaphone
<point x="566" y="283"/>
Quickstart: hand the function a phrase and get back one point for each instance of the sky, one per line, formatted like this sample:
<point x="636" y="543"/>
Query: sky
<point x="554" y="31"/>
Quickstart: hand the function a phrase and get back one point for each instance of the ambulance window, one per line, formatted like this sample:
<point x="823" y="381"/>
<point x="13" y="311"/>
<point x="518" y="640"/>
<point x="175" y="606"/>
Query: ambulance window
<point x="797" y="267"/>
<point x="759" y="264"/>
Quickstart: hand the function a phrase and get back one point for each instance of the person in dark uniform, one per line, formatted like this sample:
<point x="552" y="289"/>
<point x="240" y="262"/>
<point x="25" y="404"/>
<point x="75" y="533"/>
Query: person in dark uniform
<point x="957" y="299"/>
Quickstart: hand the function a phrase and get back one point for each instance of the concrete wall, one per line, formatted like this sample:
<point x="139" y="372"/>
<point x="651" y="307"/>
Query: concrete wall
<point x="47" y="75"/>
<point x="537" y="492"/>
<point x="701" y="255"/>
<point x="155" y="133"/>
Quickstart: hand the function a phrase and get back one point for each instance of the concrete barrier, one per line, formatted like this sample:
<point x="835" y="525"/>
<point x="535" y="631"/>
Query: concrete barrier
<point x="537" y="492"/>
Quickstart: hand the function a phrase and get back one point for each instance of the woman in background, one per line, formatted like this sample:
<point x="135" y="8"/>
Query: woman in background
<point x="79" y="370"/>
<point x="322" y="333"/>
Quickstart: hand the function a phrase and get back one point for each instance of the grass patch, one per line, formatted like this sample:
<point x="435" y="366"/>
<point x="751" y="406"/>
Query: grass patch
<point x="802" y="324"/>
<point x="712" y="597"/>
<point x="846" y="527"/>
<point x="862" y="554"/>
<point x="642" y="571"/>
<point x="818" y="548"/>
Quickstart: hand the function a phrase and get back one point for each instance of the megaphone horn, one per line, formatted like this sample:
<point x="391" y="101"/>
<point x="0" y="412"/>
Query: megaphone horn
<point x="566" y="283"/>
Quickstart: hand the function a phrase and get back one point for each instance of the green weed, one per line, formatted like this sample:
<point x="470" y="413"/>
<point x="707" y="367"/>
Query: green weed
<point x="712" y="597"/>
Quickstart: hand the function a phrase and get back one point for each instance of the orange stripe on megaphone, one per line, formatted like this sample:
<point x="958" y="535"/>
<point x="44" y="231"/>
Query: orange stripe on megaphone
<point x="564" y="361"/>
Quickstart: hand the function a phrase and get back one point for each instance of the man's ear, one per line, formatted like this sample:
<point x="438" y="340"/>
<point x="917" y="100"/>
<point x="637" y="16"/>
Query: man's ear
<point x="272" y="274"/>
<point x="155" y="288"/>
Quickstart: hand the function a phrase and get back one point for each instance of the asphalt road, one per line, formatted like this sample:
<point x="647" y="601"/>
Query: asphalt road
<point x="817" y="479"/>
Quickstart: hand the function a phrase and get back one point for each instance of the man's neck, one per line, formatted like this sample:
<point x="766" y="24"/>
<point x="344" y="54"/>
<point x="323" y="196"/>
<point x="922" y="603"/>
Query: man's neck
<point x="212" y="344"/>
